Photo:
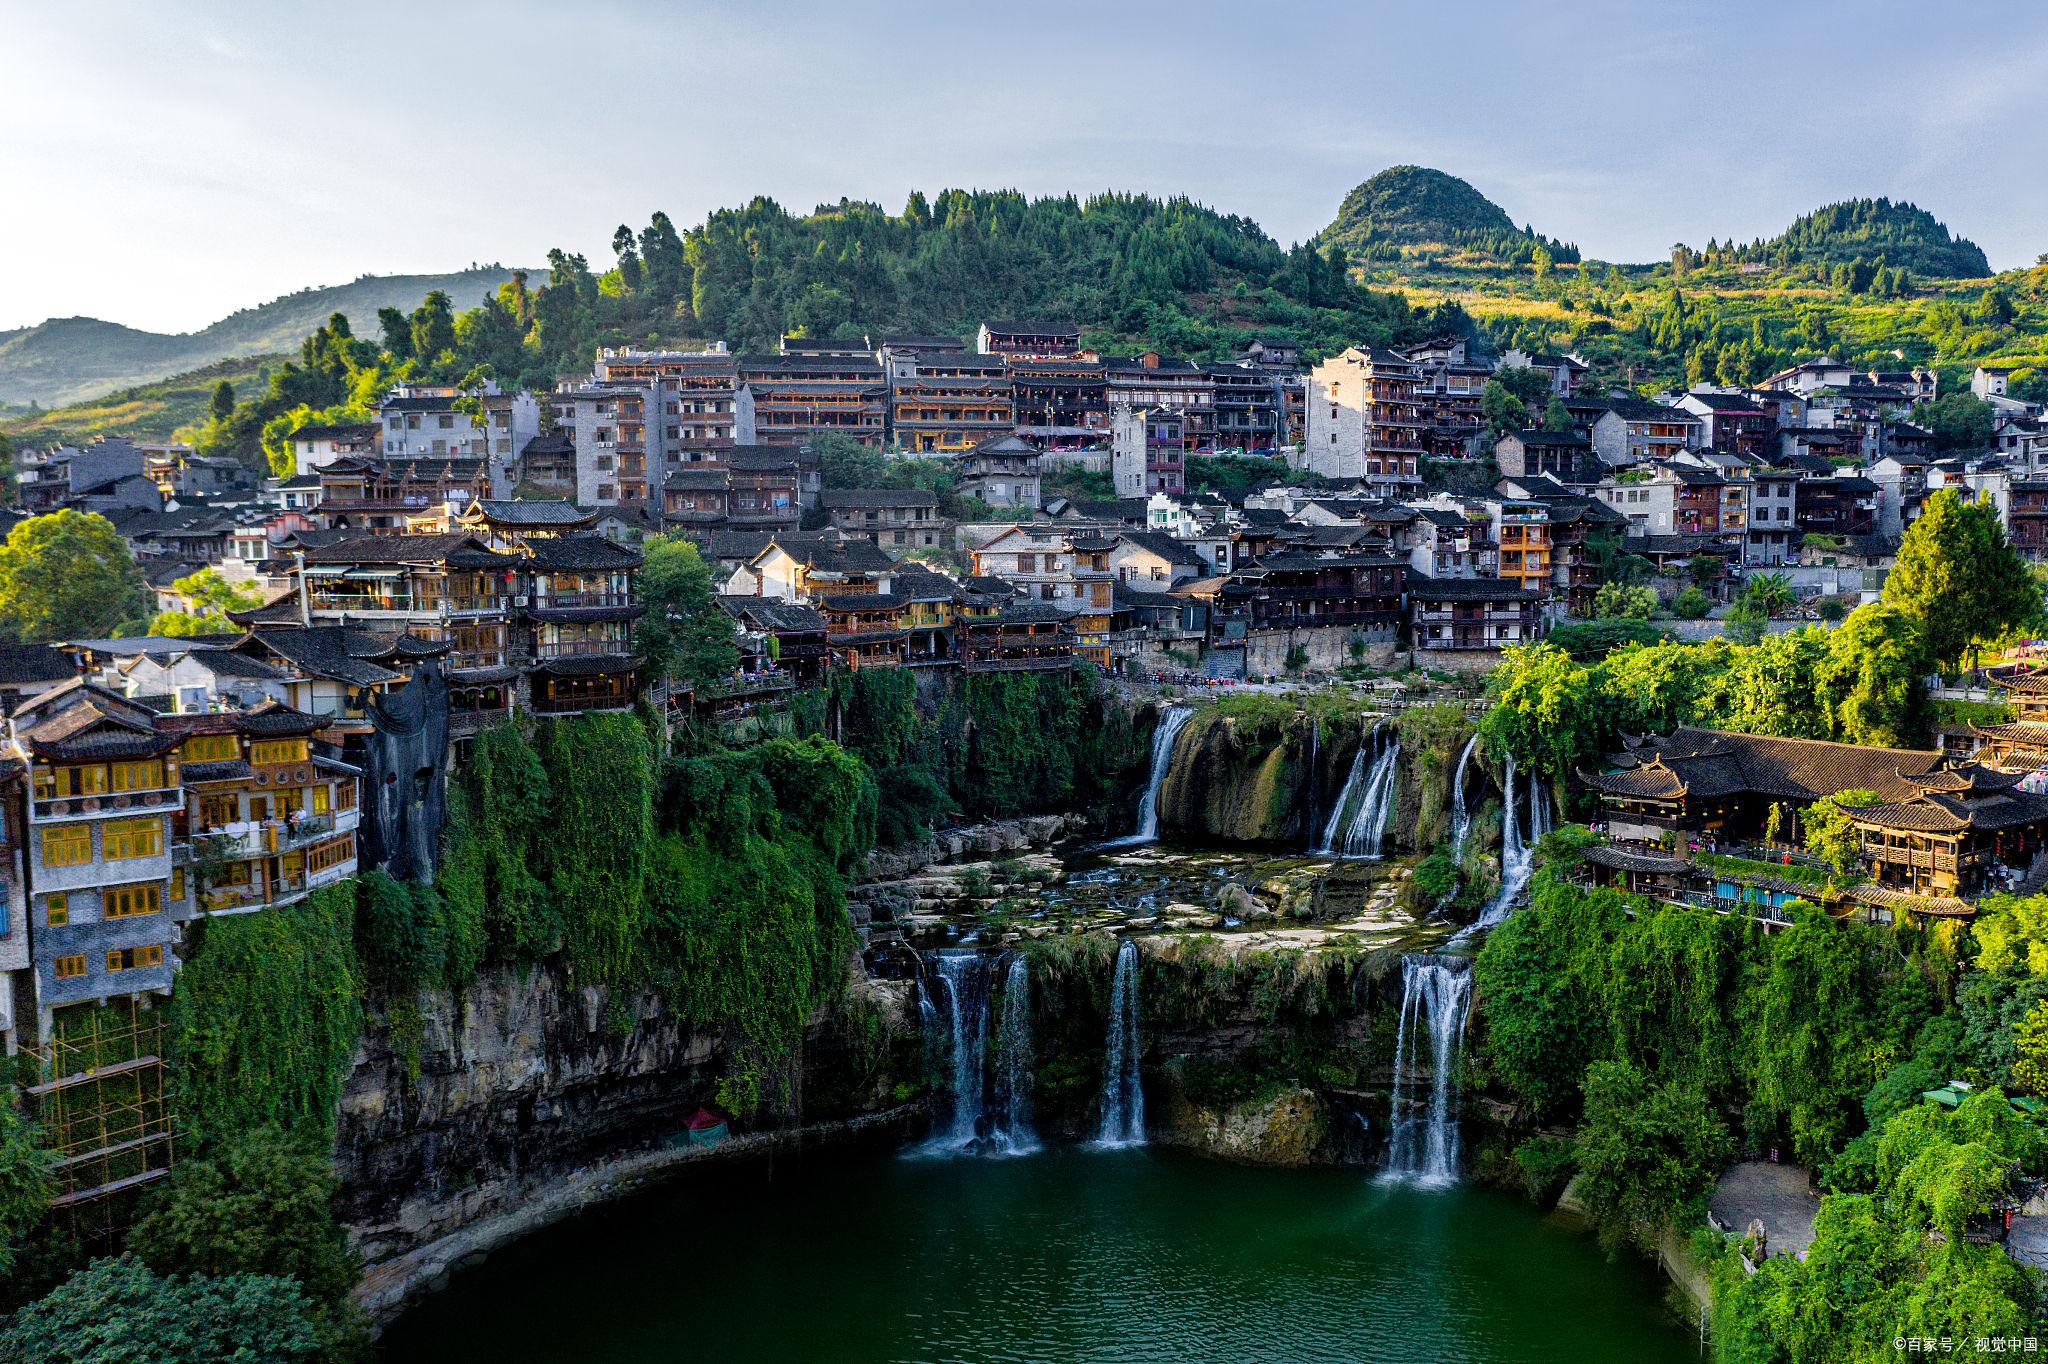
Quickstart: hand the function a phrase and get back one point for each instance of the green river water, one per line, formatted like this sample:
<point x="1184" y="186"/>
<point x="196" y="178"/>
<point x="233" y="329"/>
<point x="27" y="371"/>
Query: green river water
<point x="1128" y="1257"/>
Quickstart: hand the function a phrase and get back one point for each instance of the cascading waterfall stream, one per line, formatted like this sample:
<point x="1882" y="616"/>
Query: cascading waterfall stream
<point x="1015" y="1077"/>
<point x="1517" y="859"/>
<point x="954" y="1010"/>
<point x="1368" y="793"/>
<point x="1123" y="1098"/>
<point x="1461" y="817"/>
<point x="1171" y="722"/>
<point x="1435" y="992"/>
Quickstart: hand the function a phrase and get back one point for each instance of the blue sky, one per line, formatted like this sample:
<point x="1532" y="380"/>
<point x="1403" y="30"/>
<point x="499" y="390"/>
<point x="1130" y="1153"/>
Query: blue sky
<point x="172" y="163"/>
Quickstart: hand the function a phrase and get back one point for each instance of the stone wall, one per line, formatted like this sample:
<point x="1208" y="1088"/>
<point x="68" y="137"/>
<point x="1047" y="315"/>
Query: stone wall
<point x="1457" y="660"/>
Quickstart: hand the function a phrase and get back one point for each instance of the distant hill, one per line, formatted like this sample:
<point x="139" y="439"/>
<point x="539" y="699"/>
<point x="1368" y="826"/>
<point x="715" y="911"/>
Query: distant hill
<point x="1411" y="205"/>
<point x="144" y="412"/>
<point x="1900" y="234"/>
<point x="68" y="359"/>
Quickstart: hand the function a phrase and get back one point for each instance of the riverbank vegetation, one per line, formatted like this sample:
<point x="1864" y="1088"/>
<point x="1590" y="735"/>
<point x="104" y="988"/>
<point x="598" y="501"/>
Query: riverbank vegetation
<point x="1677" y="1037"/>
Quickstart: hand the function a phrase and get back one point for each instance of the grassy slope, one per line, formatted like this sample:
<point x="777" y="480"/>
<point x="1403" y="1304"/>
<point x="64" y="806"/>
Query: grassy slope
<point x="1561" y="308"/>
<point x="66" y="360"/>
<point x="146" y="412"/>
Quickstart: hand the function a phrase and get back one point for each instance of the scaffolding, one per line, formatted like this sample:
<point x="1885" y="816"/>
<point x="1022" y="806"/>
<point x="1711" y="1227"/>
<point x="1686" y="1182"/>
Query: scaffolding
<point x="99" y="1097"/>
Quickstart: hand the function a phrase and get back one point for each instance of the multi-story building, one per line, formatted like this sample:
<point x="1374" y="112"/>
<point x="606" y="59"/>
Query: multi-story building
<point x="894" y="518"/>
<point x="1040" y="559"/>
<point x="1365" y="420"/>
<point x="950" y="402"/>
<point x="1451" y="386"/>
<point x="696" y="403"/>
<point x="797" y="397"/>
<point x="1453" y="538"/>
<point x="1360" y="593"/>
<point x="1669" y="498"/>
<point x="1473" y="613"/>
<point x="1028" y="340"/>
<point x="387" y="496"/>
<point x="17" y="979"/>
<point x="1251" y="412"/>
<point x="1733" y="423"/>
<point x="752" y="488"/>
<point x="1150" y="379"/>
<point x="1637" y="431"/>
<point x="1271" y="354"/>
<point x="1060" y="404"/>
<point x="1149" y="448"/>
<point x="1002" y="471"/>
<point x="1565" y="372"/>
<point x="899" y="354"/>
<point x="422" y="420"/>
<point x="259" y="798"/>
<point x="1522" y="530"/>
<point x="1843" y="505"/>
<point x="1565" y="455"/>
<point x="2026" y="516"/>
<point x="104" y="785"/>
<point x="607" y="424"/>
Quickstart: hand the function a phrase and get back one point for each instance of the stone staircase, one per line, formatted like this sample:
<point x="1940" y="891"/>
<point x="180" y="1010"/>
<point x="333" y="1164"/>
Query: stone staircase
<point x="2036" y="877"/>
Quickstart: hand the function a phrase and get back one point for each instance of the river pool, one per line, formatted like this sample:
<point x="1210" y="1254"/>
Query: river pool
<point x="1130" y="1256"/>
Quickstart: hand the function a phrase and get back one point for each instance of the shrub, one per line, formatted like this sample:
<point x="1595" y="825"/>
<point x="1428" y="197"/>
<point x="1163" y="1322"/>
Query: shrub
<point x="1216" y="1084"/>
<point x="1692" y="604"/>
<point x="117" y="1310"/>
<point x="1437" y="874"/>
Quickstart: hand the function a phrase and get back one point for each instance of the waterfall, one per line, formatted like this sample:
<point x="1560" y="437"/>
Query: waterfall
<point x="1123" y="1099"/>
<point x="1014" y="1075"/>
<point x="1461" y="817"/>
<point x="1369" y="793"/>
<point x="1517" y="859"/>
<point x="954" y="1010"/>
<point x="1434" y="994"/>
<point x="1171" y="722"/>
<point x="1315" y="777"/>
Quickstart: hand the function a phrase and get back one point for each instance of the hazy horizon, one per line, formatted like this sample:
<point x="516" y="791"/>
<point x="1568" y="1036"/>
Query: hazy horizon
<point x="185" y="166"/>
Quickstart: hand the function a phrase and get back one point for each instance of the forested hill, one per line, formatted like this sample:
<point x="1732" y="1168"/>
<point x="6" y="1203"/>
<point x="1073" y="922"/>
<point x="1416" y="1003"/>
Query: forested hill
<point x="1878" y="229"/>
<point x="1417" y="207"/>
<point x="67" y="359"/>
<point x="1115" y="264"/>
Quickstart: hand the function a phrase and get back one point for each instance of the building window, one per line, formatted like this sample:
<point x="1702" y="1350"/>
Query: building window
<point x="178" y="884"/>
<point x="279" y="751"/>
<point x="446" y="422"/>
<point x="138" y="776"/>
<point x="125" y="839"/>
<point x="210" y="748"/>
<point x="128" y="958"/>
<point x="59" y="911"/>
<point x="70" y="968"/>
<point x="346" y="795"/>
<point x="129" y="901"/>
<point x="69" y="846"/>
<point x="330" y="855"/>
<point x="320" y="801"/>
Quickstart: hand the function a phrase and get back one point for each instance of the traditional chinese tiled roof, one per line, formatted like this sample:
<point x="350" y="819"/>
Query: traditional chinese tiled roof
<point x="1622" y="859"/>
<point x="1708" y="763"/>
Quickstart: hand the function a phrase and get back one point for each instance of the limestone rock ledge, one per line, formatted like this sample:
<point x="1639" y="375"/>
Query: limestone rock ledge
<point x="1290" y="1128"/>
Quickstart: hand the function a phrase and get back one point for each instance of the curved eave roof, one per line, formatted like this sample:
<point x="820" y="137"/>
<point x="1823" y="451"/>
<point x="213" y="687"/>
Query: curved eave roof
<point x="1650" y="783"/>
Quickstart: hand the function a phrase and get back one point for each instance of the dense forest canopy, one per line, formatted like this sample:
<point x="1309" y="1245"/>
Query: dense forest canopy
<point x="1901" y="234"/>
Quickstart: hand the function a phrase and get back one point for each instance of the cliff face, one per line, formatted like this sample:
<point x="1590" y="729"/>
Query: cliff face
<point x="1277" y="782"/>
<point x="530" y="1075"/>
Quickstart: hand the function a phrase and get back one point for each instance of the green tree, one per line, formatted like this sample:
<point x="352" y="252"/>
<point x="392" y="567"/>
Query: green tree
<point x="1746" y="623"/>
<point x="214" y="596"/>
<point x="25" y="1187"/>
<point x="685" y="632"/>
<point x="67" y="575"/>
<point x="1870" y="684"/>
<point x="1769" y="592"/>
<point x="1557" y="417"/>
<point x="117" y="1312"/>
<point x="845" y="463"/>
<point x="258" y="1204"/>
<point x="223" y="405"/>
<point x="1692" y="604"/>
<point x="1616" y="601"/>
<point x="1831" y="829"/>
<point x="1648" y="1154"/>
<point x="433" y="328"/>
<point x="1961" y="581"/>
<point x="1501" y="408"/>
<point x="1959" y="421"/>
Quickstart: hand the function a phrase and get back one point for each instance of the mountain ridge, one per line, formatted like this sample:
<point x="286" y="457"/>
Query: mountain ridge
<point x="69" y="359"/>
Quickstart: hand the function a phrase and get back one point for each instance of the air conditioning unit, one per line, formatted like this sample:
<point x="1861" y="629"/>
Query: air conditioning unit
<point x="519" y="601"/>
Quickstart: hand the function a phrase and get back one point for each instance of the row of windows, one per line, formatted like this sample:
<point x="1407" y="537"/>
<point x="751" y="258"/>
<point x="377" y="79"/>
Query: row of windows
<point x="278" y="751"/>
<point x="122" y="839"/>
<point x="99" y="779"/>
<point x="120" y="959"/>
